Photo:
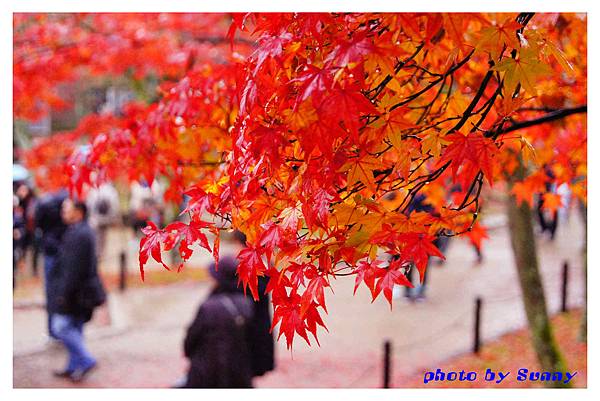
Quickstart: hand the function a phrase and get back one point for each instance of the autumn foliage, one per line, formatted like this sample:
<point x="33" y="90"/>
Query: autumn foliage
<point x="314" y="133"/>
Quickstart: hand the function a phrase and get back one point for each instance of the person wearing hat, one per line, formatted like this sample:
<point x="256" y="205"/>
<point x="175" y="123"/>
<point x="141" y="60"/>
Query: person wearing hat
<point x="217" y="341"/>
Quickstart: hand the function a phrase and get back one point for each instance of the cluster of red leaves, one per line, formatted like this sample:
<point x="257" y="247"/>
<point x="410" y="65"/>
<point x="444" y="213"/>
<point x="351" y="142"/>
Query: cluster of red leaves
<point x="51" y="49"/>
<point x="316" y="145"/>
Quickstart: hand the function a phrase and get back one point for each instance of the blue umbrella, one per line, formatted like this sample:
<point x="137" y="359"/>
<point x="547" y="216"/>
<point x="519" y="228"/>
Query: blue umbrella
<point x="20" y="173"/>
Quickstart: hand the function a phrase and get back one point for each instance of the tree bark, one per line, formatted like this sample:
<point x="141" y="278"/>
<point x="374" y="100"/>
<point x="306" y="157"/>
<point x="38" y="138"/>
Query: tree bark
<point x="583" y="329"/>
<point x="524" y="250"/>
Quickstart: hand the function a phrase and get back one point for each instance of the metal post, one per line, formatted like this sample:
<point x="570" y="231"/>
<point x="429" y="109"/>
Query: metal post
<point x="122" y="271"/>
<point x="477" y="327"/>
<point x="36" y="246"/>
<point x="35" y="256"/>
<point x="565" y="284"/>
<point x="387" y="351"/>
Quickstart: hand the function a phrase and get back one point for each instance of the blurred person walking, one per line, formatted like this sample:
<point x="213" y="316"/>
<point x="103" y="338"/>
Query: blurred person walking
<point x="548" y="219"/>
<point x="262" y="344"/>
<point x="27" y="201"/>
<point x="49" y="223"/>
<point x="216" y="342"/>
<point x="103" y="206"/>
<point x="18" y="237"/>
<point x="78" y="289"/>
<point x="145" y="204"/>
<point x="253" y="344"/>
<point x="420" y="204"/>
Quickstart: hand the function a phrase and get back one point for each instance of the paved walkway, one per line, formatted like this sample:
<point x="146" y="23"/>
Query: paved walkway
<point x="137" y="338"/>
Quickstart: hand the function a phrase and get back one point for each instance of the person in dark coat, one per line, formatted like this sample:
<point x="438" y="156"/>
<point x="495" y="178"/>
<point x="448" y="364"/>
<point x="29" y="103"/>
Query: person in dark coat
<point x="419" y="204"/>
<point x="216" y="342"/>
<point x="27" y="201"/>
<point x="76" y="266"/>
<point x="18" y="237"/>
<point x="48" y="220"/>
<point x="548" y="220"/>
<point x="262" y="344"/>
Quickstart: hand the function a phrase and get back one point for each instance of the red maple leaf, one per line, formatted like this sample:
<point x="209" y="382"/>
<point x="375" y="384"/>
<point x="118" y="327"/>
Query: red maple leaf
<point x="150" y="244"/>
<point x="199" y="201"/>
<point x="278" y="281"/>
<point x="287" y="311"/>
<point x="366" y="272"/>
<point x="270" y="46"/>
<point x="388" y="278"/>
<point x="347" y="54"/>
<point x="313" y="320"/>
<point x="315" y="82"/>
<point x="477" y="234"/>
<point x="418" y="247"/>
<point x="271" y="238"/>
<point x="188" y="234"/>
<point x="473" y="152"/>
<point x="346" y="106"/>
<point x="250" y="267"/>
<point x="314" y="292"/>
<point x="316" y="209"/>
<point x="290" y="218"/>
<point x="297" y="273"/>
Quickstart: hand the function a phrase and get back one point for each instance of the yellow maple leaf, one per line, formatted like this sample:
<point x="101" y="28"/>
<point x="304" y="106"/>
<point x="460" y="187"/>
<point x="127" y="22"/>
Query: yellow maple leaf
<point x="344" y="212"/>
<point x="433" y="143"/>
<point x="528" y="151"/>
<point x="361" y="170"/>
<point x="371" y="222"/>
<point x="302" y="117"/>
<point x="525" y="69"/>
<point x="495" y="37"/>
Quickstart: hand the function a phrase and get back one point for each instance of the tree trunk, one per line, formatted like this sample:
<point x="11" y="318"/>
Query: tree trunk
<point x="583" y="332"/>
<point x="524" y="249"/>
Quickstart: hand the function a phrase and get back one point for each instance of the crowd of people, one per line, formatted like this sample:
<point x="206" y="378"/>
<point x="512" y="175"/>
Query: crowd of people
<point x="228" y="343"/>
<point x="73" y="288"/>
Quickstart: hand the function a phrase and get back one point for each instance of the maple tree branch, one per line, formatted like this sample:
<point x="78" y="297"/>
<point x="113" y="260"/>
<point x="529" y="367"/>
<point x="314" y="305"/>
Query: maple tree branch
<point x="185" y="163"/>
<point x="397" y="69"/>
<point x="429" y="106"/>
<point x="450" y="71"/>
<point x="395" y="184"/>
<point x="474" y="102"/>
<point x="545" y="109"/>
<point x="524" y="18"/>
<point x="553" y="116"/>
<point x="425" y="70"/>
<point x="478" y="180"/>
<point x="344" y="274"/>
<point x="443" y="232"/>
<point x="426" y="179"/>
<point x="487" y="107"/>
<point x="434" y="125"/>
<point x="444" y="106"/>
<point x="556" y="115"/>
